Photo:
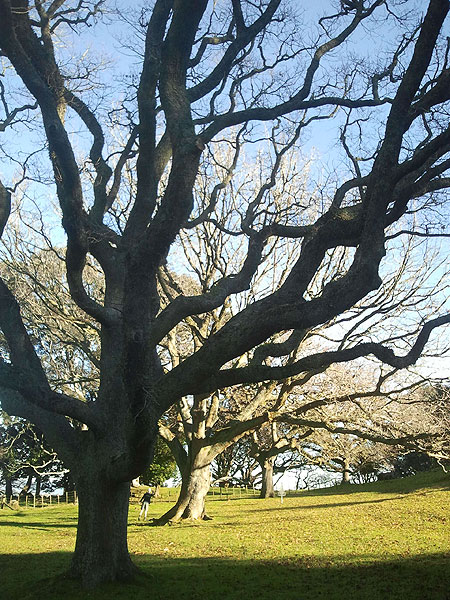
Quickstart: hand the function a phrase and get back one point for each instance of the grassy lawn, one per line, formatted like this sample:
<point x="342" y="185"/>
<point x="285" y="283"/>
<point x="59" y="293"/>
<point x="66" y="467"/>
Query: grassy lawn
<point x="389" y="540"/>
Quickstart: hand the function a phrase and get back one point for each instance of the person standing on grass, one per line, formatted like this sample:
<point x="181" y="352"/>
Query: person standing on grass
<point x="145" y="503"/>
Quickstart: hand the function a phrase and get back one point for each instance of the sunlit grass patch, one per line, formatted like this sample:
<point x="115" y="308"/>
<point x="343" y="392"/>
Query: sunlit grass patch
<point x="387" y="540"/>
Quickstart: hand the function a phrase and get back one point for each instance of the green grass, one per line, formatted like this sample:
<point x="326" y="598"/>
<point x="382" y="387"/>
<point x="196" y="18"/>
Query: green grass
<point x="389" y="540"/>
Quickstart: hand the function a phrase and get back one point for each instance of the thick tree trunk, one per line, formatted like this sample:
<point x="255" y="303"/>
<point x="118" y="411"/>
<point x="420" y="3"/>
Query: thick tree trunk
<point x="267" y="490"/>
<point x="8" y="490"/>
<point x="26" y="488"/>
<point x="191" y="502"/>
<point x="69" y="484"/>
<point x="101" y="551"/>
<point x="345" y="473"/>
<point x="38" y="486"/>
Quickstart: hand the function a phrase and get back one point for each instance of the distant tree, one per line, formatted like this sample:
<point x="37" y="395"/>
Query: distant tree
<point x="236" y="466"/>
<point x="25" y="458"/>
<point x="412" y="463"/>
<point x="162" y="467"/>
<point x="355" y="459"/>
<point x="269" y="443"/>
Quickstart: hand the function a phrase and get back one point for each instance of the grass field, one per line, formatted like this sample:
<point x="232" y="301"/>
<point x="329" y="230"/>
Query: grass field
<point x="389" y="540"/>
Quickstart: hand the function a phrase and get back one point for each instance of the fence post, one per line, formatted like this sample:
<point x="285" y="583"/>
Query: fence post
<point x="26" y="500"/>
<point x="57" y="498"/>
<point x="42" y="501"/>
<point x="34" y="500"/>
<point x="67" y="497"/>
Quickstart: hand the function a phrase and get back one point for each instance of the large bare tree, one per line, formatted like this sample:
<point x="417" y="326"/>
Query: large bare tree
<point x="209" y="71"/>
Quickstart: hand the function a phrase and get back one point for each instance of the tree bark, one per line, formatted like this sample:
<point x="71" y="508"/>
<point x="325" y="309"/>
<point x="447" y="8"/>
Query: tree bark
<point x="101" y="551"/>
<point x="194" y="489"/>
<point x="345" y="473"/>
<point x="267" y="490"/>
<point x="8" y="490"/>
<point x="26" y="488"/>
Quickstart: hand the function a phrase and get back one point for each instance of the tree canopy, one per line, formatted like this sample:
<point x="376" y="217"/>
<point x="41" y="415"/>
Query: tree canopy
<point x="141" y="168"/>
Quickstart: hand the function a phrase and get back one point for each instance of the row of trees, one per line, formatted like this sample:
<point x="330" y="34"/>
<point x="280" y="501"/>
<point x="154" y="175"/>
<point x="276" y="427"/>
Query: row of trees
<point x="212" y="274"/>
<point x="254" y="460"/>
<point x="337" y="420"/>
<point x="25" y="457"/>
<point x="306" y="414"/>
<point x="29" y="466"/>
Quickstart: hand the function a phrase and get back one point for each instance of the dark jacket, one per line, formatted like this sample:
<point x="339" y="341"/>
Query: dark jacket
<point x="147" y="497"/>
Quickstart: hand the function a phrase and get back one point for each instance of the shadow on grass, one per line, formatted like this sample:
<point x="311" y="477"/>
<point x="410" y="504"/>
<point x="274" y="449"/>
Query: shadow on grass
<point x="425" y="577"/>
<point x="40" y="524"/>
<point x="325" y="505"/>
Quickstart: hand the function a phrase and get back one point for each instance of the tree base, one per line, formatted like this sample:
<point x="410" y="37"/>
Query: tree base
<point x="165" y="520"/>
<point x="101" y="552"/>
<point x="90" y="578"/>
